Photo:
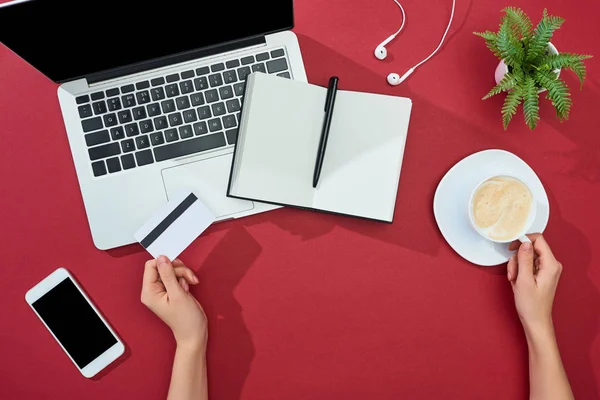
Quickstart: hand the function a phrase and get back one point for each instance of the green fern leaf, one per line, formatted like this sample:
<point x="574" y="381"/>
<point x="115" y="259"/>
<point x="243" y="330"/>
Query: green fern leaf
<point x="511" y="49"/>
<point x="530" y="103"/>
<point x="508" y="82"/>
<point x="542" y="35"/>
<point x="558" y="93"/>
<point x="509" y="109"/>
<point x="520" y="23"/>
<point x="566" y="60"/>
<point x="491" y="40"/>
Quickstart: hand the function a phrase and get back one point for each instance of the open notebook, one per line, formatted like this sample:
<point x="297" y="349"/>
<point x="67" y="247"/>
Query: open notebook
<point x="278" y="140"/>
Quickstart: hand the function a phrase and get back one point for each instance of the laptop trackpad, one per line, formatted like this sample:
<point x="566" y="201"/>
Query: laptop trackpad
<point x="208" y="179"/>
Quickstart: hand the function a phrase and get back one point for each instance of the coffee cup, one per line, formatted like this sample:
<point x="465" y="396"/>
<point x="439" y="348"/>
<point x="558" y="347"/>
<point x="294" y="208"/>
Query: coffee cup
<point x="502" y="209"/>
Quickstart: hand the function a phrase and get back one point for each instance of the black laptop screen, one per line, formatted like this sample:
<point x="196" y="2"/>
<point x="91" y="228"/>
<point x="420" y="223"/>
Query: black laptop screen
<point x="66" y="39"/>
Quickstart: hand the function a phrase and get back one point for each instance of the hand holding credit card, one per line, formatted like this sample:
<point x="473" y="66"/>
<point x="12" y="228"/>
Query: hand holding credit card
<point x="175" y="226"/>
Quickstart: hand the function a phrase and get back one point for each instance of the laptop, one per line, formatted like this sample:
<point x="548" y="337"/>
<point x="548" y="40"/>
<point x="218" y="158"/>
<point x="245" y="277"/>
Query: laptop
<point x="151" y="93"/>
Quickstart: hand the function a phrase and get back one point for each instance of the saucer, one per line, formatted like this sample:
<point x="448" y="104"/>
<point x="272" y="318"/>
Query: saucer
<point x="450" y="204"/>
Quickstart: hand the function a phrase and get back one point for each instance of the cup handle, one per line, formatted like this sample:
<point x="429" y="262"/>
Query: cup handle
<point x="524" y="239"/>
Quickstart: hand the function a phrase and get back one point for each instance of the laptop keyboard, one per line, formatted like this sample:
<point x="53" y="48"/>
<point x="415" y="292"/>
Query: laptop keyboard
<point x="171" y="116"/>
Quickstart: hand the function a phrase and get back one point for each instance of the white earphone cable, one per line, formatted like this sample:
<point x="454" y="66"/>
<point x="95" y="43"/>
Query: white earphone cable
<point x="403" y="18"/>
<point x="441" y="41"/>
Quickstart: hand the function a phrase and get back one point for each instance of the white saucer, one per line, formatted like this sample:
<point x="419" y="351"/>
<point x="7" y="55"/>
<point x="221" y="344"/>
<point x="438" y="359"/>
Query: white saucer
<point x="452" y="195"/>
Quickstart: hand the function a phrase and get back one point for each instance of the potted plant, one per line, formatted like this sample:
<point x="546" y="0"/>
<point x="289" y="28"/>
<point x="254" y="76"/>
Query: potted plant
<point x="530" y="65"/>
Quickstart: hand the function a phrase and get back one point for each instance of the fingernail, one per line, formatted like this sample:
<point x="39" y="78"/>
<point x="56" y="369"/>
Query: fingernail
<point x="196" y="279"/>
<point x="508" y="276"/>
<point x="162" y="260"/>
<point x="526" y="246"/>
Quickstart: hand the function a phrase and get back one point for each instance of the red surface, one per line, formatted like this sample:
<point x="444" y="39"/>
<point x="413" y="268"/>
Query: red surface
<point x="311" y="306"/>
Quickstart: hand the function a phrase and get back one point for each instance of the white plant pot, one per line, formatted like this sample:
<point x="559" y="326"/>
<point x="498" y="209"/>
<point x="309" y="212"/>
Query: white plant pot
<point x="502" y="69"/>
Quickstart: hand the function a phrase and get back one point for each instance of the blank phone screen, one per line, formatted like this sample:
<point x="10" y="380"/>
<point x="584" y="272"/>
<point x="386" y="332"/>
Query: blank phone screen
<point x="74" y="323"/>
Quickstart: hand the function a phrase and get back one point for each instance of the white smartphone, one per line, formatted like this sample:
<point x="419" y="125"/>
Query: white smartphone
<point x="74" y="322"/>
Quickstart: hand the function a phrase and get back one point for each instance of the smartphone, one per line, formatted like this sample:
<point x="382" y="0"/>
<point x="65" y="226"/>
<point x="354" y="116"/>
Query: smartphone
<point x="75" y="323"/>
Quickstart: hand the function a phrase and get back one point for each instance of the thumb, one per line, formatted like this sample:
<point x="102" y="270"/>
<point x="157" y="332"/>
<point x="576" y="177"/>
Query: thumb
<point x="167" y="276"/>
<point x="525" y="259"/>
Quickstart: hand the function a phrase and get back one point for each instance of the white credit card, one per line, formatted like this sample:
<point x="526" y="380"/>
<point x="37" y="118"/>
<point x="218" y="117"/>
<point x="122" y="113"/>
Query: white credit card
<point x="175" y="226"/>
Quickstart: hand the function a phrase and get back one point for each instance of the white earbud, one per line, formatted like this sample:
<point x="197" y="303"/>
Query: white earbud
<point x="381" y="51"/>
<point x="395" y="79"/>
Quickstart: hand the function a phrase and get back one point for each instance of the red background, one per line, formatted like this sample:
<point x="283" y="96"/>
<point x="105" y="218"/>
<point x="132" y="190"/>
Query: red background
<point x="311" y="306"/>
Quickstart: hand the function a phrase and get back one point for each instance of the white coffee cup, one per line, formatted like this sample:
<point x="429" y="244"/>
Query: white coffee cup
<point x="521" y="236"/>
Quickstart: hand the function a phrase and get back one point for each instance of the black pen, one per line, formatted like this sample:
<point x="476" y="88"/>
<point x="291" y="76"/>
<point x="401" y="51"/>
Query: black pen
<point x="329" y="103"/>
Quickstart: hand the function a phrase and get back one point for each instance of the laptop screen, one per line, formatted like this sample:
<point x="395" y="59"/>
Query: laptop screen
<point x="68" y="39"/>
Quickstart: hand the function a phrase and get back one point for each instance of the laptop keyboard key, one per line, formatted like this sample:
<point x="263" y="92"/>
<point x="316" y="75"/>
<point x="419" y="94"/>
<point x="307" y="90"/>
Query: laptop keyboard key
<point x="229" y="121"/>
<point x="157" y="138"/>
<point x="172" y="78"/>
<point x="190" y="115"/>
<point x="168" y="106"/>
<point x="217" y="67"/>
<point x="146" y="126"/>
<point x="185" y="132"/>
<point x="161" y="123"/>
<point x="113" y="165"/>
<point x="172" y="90"/>
<point x="82" y="99"/>
<point x="96" y="138"/>
<point x="284" y="75"/>
<point x="171" y="135"/>
<point x="183" y="102"/>
<point x="141" y="142"/>
<point x="218" y="109"/>
<point x="142" y="85"/>
<point x="262" y="56"/>
<point x="85" y="111"/>
<point x="104" y="151"/>
<point x="247" y="60"/>
<point x="98" y="168"/>
<point x="175" y="119"/>
<point x="99" y="107"/>
<point x="226" y="92"/>
<point x="114" y="104"/>
<point x="144" y="157"/>
<point x="127" y="146"/>
<point x="128" y="161"/>
<point x="92" y="124"/>
<point x="277" y="53"/>
<point x="230" y="76"/>
<point x="117" y="133"/>
<point x="211" y="95"/>
<point x="201" y="83"/>
<point x="233" y="105"/>
<point x="215" y="125"/>
<point x="232" y="64"/>
<point x="139" y="113"/>
<point x="204" y="112"/>
<point x="186" y="87"/>
<point x="97" y="95"/>
<point x="215" y="80"/>
<point x="231" y="136"/>
<point x="124" y="116"/>
<point x="153" y="109"/>
<point x="191" y="146"/>
<point x="197" y="99"/>
<point x="202" y="71"/>
<point x="143" y="97"/>
<point x="187" y="74"/>
<point x="110" y="120"/>
<point x="200" y="128"/>
<point x="243" y="72"/>
<point x="278" y="65"/>
<point x="131" y="130"/>
<point x="259" y="68"/>
<point x="112" y="92"/>
<point x="157" y="93"/>
<point x="127" y="89"/>
<point x="239" y="88"/>
<point x="128" y="100"/>
<point x="158" y="81"/>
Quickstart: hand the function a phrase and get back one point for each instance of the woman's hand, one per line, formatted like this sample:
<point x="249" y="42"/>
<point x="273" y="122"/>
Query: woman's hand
<point x="165" y="291"/>
<point x="534" y="273"/>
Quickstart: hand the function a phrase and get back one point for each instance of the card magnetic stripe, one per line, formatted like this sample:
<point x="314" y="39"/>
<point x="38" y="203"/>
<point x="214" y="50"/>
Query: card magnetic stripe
<point x="168" y="221"/>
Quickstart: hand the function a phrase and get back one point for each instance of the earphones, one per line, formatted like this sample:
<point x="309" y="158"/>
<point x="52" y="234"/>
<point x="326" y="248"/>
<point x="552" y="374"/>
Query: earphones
<point x="381" y="52"/>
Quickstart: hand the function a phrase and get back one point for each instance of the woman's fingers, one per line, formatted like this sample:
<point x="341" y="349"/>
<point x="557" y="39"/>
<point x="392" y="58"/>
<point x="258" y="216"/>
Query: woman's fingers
<point x="188" y="274"/>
